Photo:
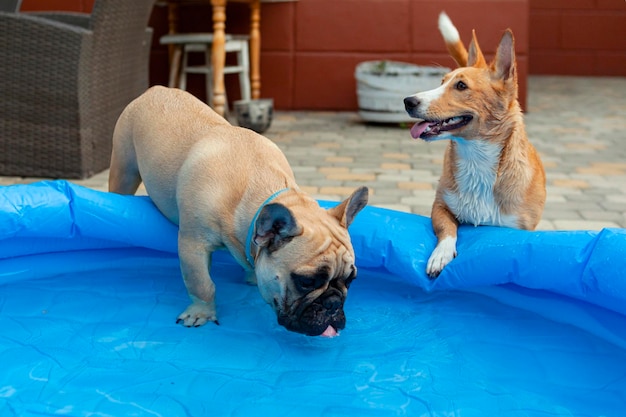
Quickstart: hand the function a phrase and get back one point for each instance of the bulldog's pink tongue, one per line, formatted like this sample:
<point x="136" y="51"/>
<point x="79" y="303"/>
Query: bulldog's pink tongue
<point x="330" y="332"/>
<point x="419" y="128"/>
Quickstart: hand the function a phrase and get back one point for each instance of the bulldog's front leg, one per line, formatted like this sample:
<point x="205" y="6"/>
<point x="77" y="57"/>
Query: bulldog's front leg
<point x="195" y="262"/>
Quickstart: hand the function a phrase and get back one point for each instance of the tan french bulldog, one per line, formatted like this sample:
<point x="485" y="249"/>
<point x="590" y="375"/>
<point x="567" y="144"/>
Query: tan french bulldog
<point x="230" y="187"/>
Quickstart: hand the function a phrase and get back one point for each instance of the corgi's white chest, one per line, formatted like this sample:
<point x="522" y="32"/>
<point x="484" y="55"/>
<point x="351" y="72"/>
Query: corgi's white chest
<point x="473" y="202"/>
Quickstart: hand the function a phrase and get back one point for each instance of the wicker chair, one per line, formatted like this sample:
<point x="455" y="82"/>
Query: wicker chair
<point x="64" y="80"/>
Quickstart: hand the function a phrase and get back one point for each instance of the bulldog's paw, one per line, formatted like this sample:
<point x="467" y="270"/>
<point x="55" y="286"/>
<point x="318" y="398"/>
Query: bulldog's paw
<point x="197" y="314"/>
<point x="441" y="256"/>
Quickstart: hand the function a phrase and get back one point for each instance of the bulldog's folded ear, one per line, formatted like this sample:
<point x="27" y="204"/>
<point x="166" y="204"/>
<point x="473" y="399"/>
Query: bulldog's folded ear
<point x="349" y="208"/>
<point x="275" y="226"/>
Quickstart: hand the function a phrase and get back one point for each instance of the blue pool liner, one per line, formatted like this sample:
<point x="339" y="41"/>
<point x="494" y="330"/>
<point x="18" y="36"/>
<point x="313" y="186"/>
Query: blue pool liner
<point x="586" y="265"/>
<point x="90" y="288"/>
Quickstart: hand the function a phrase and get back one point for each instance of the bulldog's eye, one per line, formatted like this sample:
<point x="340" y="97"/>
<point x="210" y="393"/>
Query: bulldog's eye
<point x="307" y="283"/>
<point x="460" y="85"/>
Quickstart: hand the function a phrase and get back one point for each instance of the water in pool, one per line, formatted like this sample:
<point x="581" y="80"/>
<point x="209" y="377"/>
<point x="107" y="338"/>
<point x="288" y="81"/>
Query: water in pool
<point x="102" y="339"/>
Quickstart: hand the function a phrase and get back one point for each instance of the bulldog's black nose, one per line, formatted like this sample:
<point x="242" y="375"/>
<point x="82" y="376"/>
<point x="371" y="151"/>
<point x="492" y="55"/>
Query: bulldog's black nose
<point x="411" y="103"/>
<point x="332" y="304"/>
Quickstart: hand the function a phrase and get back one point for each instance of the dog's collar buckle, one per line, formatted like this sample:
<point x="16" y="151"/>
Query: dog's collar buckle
<point x="252" y="227"/>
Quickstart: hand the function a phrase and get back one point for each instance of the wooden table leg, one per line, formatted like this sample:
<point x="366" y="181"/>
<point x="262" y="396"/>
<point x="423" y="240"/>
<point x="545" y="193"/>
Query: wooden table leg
<point x="218" y="56"/>
<point x="174" y="51"/>
<point x="175" y="67"/>
<point x="255" y="48"/>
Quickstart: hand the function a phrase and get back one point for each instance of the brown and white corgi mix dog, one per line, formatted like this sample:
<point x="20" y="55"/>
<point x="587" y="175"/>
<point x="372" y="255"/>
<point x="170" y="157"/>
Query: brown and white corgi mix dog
<point x="492" y="175"/>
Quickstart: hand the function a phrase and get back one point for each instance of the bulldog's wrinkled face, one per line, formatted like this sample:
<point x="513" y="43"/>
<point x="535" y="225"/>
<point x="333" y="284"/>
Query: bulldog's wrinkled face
<point x="320" y="310"/>
<point x="309" y="297"/>
<point x="305" y="262"/>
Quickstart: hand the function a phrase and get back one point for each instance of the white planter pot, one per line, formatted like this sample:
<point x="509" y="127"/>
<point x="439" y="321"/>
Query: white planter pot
<point x="383" y="85"/>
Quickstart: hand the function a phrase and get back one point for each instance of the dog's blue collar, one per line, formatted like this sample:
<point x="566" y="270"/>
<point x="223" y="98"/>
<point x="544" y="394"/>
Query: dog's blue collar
<point x="252" y="227"/>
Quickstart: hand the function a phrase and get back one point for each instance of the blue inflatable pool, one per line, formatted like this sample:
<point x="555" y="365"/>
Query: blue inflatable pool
<point x="519" y="324"/>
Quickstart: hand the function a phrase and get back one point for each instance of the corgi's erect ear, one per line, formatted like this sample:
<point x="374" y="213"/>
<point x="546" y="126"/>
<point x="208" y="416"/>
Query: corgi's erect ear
<point x="475" y="57"/>
<point x="504" y="64"/>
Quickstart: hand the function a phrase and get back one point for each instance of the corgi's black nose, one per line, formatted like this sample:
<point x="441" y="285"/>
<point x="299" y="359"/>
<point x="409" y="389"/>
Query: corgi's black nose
<point x="411" y="103"/>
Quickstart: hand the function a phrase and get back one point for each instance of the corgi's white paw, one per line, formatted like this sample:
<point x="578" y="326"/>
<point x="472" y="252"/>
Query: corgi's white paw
<point x="444" y="252"/>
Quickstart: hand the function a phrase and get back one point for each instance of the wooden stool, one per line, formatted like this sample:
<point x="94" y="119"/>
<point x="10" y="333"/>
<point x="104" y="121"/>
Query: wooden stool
<point x="188" y="43"/>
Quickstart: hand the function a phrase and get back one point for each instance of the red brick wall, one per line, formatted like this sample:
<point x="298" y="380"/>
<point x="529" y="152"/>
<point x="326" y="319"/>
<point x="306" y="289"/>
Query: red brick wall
<point x="578" y="37"/>
<point x="310" y="48"/>
<point x="84" y="6"/>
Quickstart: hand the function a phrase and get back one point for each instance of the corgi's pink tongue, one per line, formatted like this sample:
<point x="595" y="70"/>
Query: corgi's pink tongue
<point x="419" y="128"/>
